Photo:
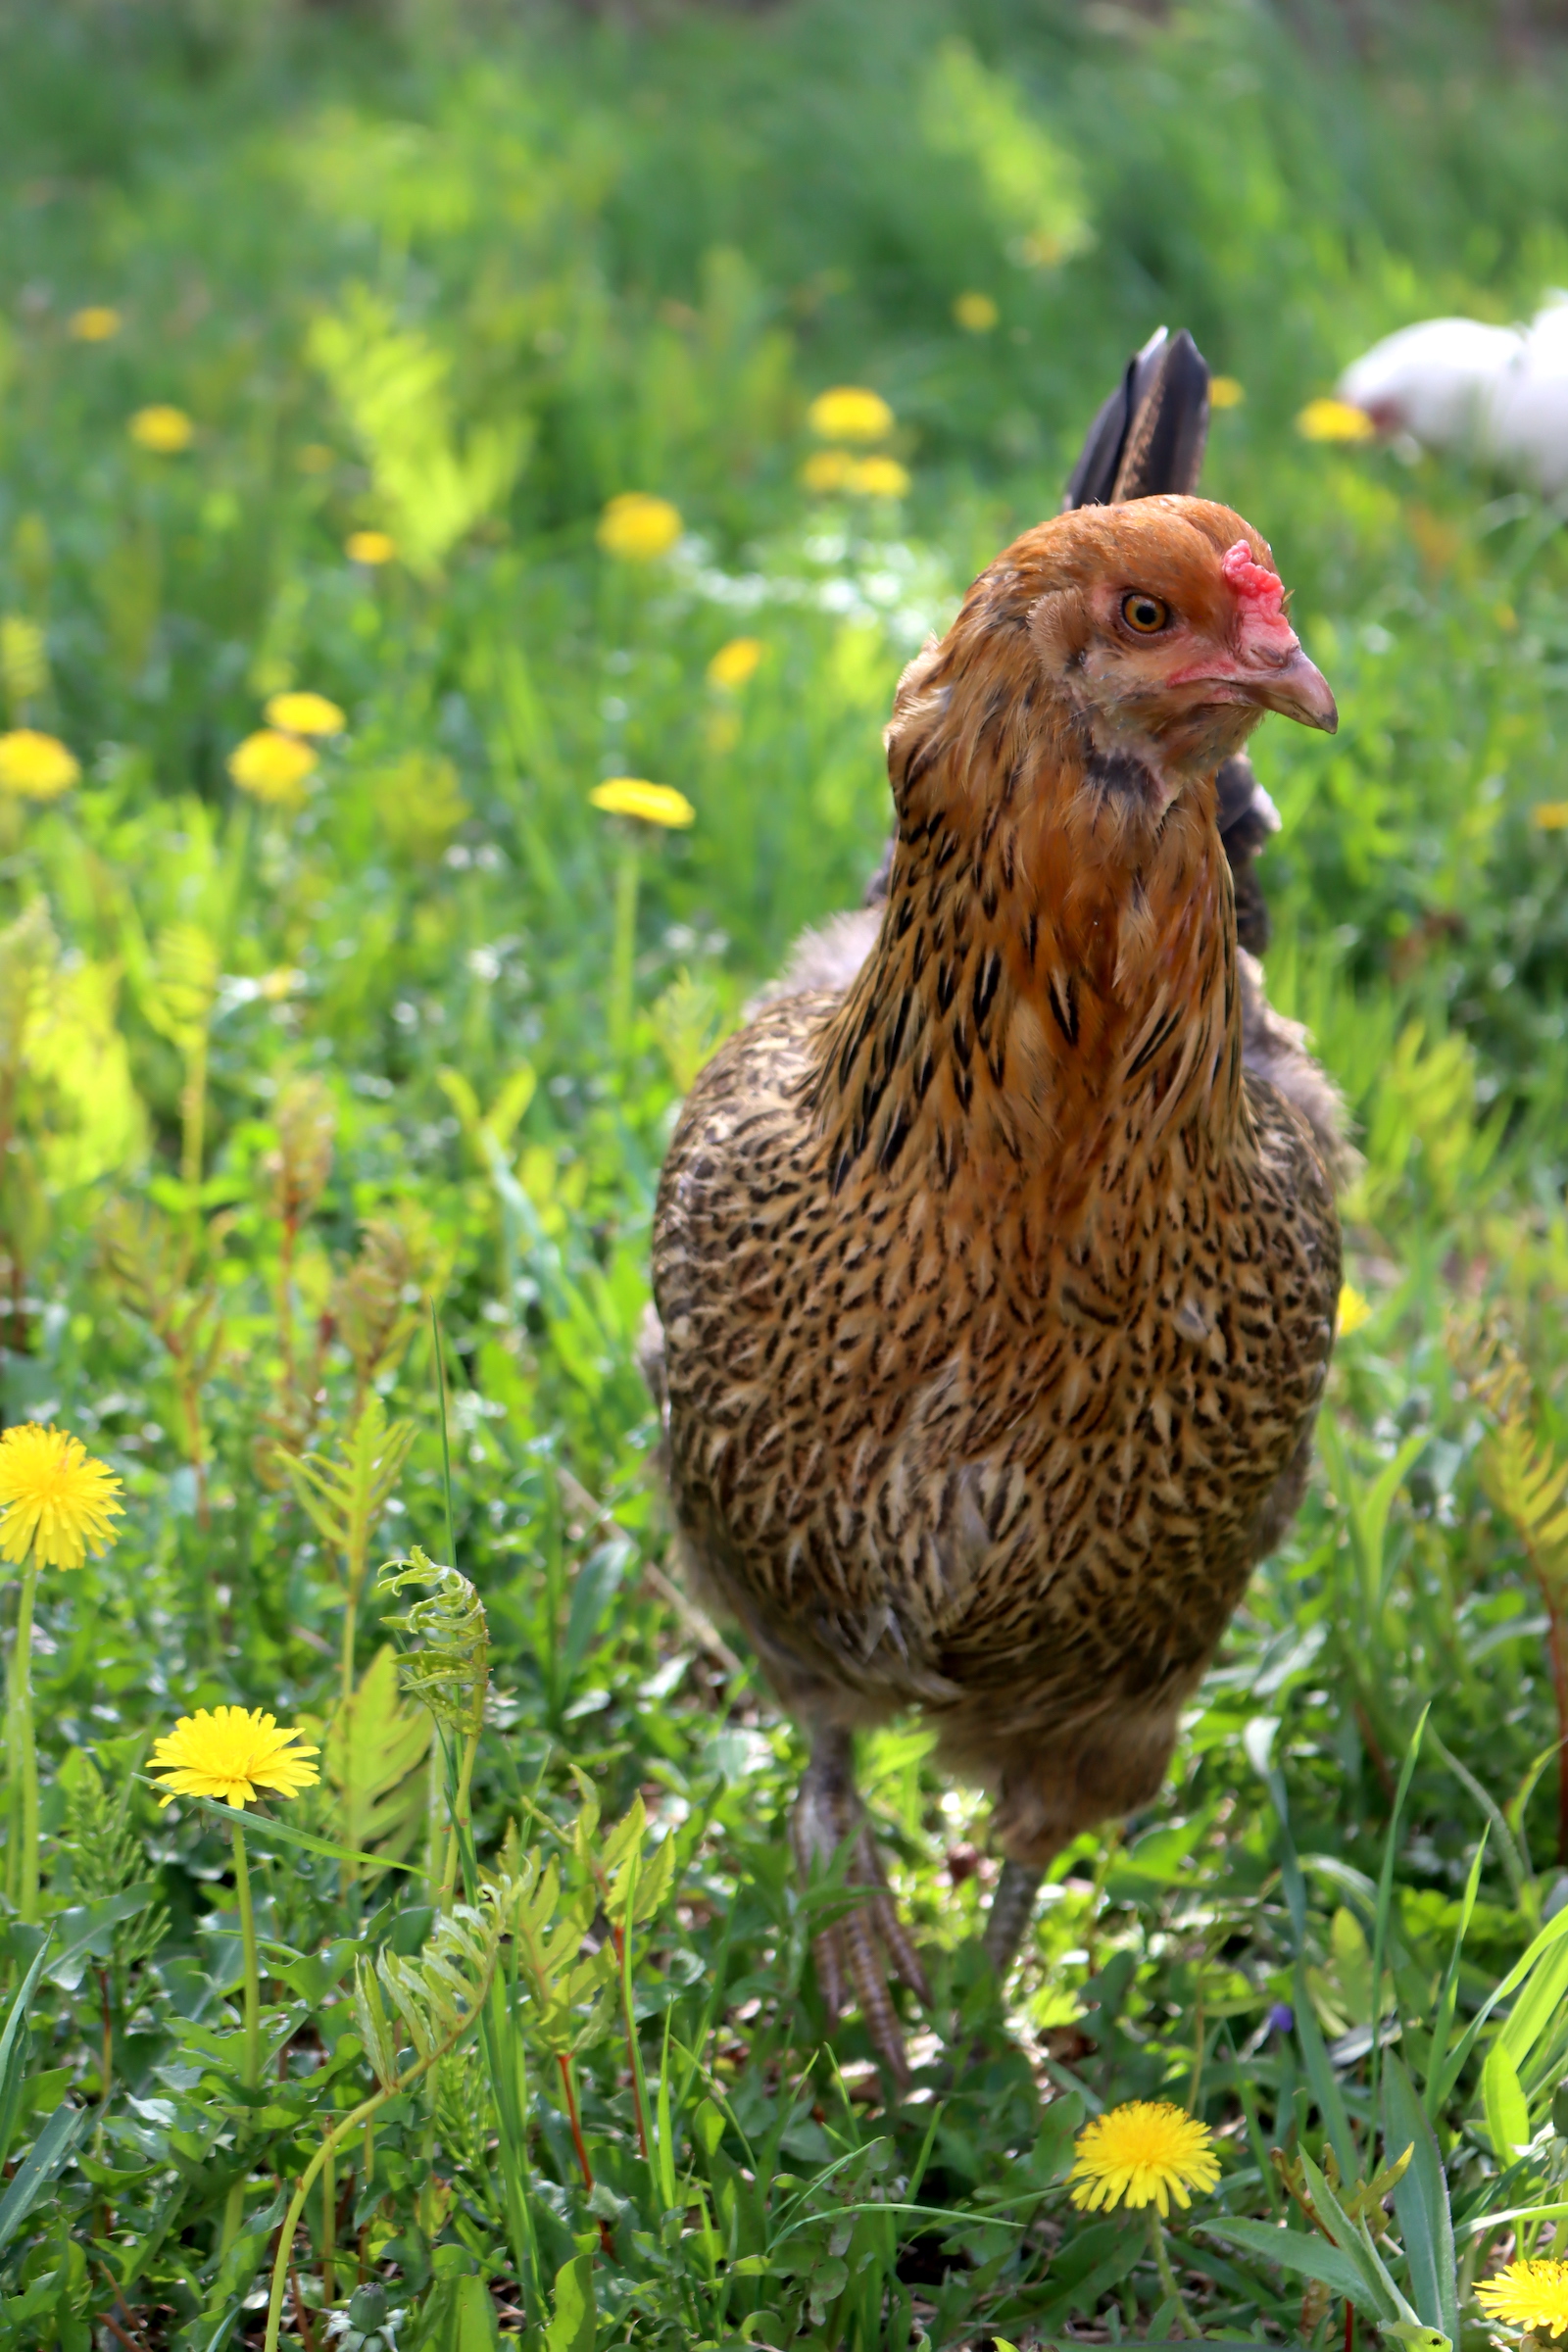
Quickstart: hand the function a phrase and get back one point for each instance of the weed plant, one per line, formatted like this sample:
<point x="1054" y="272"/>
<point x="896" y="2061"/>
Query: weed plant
<point x="334" y="1084"/>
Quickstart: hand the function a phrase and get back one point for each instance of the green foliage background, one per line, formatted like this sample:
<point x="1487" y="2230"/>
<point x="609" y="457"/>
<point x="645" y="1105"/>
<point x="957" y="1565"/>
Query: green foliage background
<point x="463" y="275"/>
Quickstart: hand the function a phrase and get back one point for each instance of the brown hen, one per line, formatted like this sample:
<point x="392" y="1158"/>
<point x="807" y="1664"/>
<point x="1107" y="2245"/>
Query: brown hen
<point x="998" y="1285"/>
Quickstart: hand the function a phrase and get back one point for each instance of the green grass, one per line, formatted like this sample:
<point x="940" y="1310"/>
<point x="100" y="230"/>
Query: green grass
<point x="276" y="1083"/>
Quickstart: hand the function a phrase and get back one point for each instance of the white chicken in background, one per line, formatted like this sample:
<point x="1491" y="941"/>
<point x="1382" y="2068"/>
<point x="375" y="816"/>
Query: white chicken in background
<point x="1499" y="392"/>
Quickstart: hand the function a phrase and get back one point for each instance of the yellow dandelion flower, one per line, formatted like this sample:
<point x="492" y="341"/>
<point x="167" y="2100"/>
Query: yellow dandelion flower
<point x="35" y="766"/>
<point x="1354" y="1311"/>
<point x="97" y="323"/>
<point x="1333" y="420"/>
<point x="370" y="546"/>
<point x="977" y="314"/>
<point x="1547" y="816"/>
<point x="848" y="413"/>
<point x="1224" y="392"/>
<point x="639" y="528"/>
<point x="305" y="713"/>
<point x="56" y="1501"/>
<point x="878" y="478"/>
<point x="232" y="1753"/>
<point x="1527" y="2294"/>
<point x="826" y="470"/>
<point x="633" y="796"/>
<point x="163" y="429"/>
<point x="1147" y="2152"/>
<point x="735" y="662"/>
<point x="272" y="767"/>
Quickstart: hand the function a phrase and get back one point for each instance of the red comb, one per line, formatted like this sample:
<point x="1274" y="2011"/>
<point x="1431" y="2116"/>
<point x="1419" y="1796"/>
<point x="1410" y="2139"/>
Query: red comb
<point x="1254" y="582"/>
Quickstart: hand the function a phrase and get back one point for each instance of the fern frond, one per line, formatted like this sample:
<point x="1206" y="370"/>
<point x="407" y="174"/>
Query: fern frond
<point x="372" y="1762"/>
<point x="344" y="1496"/>
<point x="448" y="1669"/>
<point x="378" y="1302"/>
<point x="307" y="1130"/>
<point x="1521" y="1470"/>
<point x="180" y="990"/>
<point x="439" y="1991"/>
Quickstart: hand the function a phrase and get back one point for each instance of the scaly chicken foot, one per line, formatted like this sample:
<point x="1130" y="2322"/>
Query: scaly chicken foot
<point x="1013" y="1908"/>
<point x="827" y="1816"/>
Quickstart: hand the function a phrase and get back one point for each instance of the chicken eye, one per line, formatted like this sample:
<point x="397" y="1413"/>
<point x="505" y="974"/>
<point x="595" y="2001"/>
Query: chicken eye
<point x="1145" y="614"/>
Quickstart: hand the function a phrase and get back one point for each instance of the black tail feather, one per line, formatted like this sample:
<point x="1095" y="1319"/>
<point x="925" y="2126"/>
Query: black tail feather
<point x="1148" y="436"/>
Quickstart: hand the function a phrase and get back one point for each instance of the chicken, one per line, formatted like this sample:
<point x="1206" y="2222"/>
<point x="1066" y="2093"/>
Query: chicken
<point x="996" y="1273"/>
<point x="1498" y="393"/>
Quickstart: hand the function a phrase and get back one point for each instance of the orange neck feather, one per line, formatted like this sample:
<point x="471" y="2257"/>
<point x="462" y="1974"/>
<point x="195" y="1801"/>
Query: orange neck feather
<point x="1053" y="994"/>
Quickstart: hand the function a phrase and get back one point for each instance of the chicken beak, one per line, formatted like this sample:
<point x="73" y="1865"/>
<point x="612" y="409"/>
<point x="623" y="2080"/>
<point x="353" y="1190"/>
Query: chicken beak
<point x="1297" y="689"/>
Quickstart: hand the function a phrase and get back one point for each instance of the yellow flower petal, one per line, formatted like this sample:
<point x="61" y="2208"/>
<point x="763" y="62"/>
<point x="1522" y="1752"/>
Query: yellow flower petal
<point x="36" y="767"/>
<point x="305" y="713"/>
<point x="232" y="1753"/>
<point x="1333" y="420"/>
<point x="1549" y="817"/>
<point x="1224" y="392"/>
<point x="638" y="528"/>
<point x="97" y="323"/>
<point x="370" y="546"/>
<point x="848" y="413"/>
<point x="56" y="1502"/>
<point x="1527" y="2294"/>
<point x="826" y="470"/>
<point x="1145" y="2152"/>
<point x="977" y="314"/>
<point x="735" y="662"/>
<point x="165" y="431"/>
<point x="633" y="796"/>
<point x="877" y="477"/>
<point x="272" y="767"/>
<point x="1354" y="1311"/>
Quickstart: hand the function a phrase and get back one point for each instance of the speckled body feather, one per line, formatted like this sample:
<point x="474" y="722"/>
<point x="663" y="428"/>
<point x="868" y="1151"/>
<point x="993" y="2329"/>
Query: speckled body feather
<point x="997" y="1292"/>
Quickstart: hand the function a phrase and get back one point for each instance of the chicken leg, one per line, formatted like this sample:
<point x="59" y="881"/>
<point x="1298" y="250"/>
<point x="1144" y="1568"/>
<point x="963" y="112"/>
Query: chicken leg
<point x="1013" y="1907"/>
<point x="828" y="1816"/>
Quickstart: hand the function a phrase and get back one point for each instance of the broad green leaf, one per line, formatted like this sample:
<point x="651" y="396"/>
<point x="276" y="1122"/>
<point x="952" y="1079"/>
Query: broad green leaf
<point x="267" y="1825"/>
<point x="48" y="2156"/>
<point x="15" y="2046"/>
<point x="1421" y="2202"/>
<point x="472" y="2327"/>
<point x="1308" y="2257"/>
<point x="571" y="2328"/>
<point x="86" y="1930"/>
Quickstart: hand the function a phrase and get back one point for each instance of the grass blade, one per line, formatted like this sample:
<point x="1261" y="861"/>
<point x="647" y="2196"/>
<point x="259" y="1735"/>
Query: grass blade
<point x="1379" y="1925"/>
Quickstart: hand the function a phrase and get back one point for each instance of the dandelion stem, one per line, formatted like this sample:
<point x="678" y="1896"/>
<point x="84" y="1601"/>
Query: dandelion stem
<point x="253" y="1982"/>
<point x="251" y="2062"/>
<point x="623" y="953"/>
<point x="1167" y="2276"/>
<point x="330" y="2230"/>
<point x="22" y="1757"/>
